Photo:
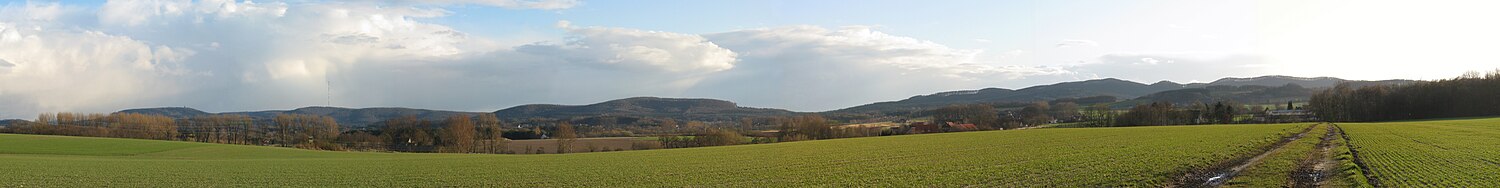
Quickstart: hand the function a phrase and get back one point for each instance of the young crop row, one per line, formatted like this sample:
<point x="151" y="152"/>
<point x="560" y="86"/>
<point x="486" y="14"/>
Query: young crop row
<point x="1450" y="153"/>
<point x="1348" y="172"/>
<point x="1082" y="157"/>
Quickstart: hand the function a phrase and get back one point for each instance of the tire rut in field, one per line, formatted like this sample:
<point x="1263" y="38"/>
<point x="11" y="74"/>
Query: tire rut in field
<point x="1314" y="170"/>
<point x="1358" y="160"/>
<point x="1223" y="172"/>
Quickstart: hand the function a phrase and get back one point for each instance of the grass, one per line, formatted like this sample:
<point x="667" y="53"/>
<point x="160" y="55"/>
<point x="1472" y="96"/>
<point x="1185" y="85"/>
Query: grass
<point x="1438" y="153"/>
<point x="1085" y="157"/>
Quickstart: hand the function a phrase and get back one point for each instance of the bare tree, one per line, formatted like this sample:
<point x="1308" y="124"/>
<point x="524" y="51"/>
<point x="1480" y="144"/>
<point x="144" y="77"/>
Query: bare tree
<point x="565" y="136"/>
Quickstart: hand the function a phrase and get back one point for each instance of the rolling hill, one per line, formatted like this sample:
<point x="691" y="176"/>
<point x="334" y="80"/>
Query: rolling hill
<point x="1278" y="80"/>
<point x="687" y="109"/>
<point x="347" y="117"/>
<point x="1241" y="89"/>
<point x="696" y="109"/>
<point x="1101" y="87"/>
<point x="8" y="122"/>
<point x="1244" y="94"/>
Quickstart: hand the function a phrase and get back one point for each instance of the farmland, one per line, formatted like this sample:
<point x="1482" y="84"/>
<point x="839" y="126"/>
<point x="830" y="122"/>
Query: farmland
<point x="1442" y="153"/>
<point x="1081" y="157"/>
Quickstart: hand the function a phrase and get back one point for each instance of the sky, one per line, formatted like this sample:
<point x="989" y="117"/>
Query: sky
<point x="485" y="55"/>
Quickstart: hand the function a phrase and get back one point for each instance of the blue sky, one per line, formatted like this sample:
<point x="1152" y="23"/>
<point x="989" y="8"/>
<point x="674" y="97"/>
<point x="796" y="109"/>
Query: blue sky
<point x="990" y="25"/>
<point x="484" y="55"/>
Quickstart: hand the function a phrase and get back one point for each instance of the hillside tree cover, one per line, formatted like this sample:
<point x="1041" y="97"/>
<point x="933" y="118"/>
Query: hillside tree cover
<point x="1472" y="94"/>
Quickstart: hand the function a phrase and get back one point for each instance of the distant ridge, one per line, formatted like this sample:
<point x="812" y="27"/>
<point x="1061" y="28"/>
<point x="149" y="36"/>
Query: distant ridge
<point x="176" y="112"/>
<point x="687" y="109"/>
<point x="8" y="122"/>
<point x="1080" y="89"/>
<point x="681" y="108"/>
<point x="1263" y="88"/>
<point x="1225" y="93"/>
<point x="347" y="117"/>
<point x="1123" y="89"/>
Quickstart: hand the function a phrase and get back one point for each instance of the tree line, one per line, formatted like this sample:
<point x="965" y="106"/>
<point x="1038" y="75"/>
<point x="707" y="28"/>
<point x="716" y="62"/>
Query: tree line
<point x="1472" y="94"/>
<point x="123" y="125"/>
<point x="1165" y="113"/>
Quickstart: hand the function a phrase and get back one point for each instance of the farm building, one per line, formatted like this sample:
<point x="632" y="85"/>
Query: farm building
<point x="924" y="127"/>
<point x="1285" y="116"/>
<point x="962" y="126"/>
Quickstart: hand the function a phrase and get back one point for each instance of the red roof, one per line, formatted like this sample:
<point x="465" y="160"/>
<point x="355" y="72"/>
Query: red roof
<point x="965" y="126"/>
<point x="924" y="127"/>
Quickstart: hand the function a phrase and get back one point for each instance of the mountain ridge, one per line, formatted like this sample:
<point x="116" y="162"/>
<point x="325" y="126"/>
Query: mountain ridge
<point x="716" y="109"/>
<point x="1122" y="89"/>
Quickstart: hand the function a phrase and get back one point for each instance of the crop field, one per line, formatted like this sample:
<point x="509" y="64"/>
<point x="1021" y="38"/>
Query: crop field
<point x="1442" y="153"/>
<point x="1087" y="157"/>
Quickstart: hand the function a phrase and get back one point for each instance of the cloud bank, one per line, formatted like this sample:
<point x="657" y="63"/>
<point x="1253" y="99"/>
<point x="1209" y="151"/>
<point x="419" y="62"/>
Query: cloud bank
<point x="232" y="56"/>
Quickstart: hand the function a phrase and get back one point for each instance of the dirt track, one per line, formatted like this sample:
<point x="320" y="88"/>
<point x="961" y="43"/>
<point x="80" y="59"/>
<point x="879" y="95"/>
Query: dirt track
<point x="1224" y="172"/>
<point x="1319" y="165"/>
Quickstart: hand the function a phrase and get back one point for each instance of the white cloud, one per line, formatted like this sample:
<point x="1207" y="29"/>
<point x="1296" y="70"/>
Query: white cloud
<point x="815" y="68"/>
<point x="203" y="53"/>
<point x="1181" y="67"/>
<point x="231" y="56"/>
<point x="1076" y="43"/>
<point x="518" y="4"/>
<point x="60" y="69"/>
<point x="637" y="49"/>
<point x="1150" y="61"/>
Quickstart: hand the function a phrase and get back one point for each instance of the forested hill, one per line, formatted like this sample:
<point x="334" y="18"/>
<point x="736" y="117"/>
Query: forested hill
<point x="676" y="108"/>
<point x="1110" y="89"/>
<point x="1239" y="94"/>
<point x="1253" y="89"/>
<point x="682" y="109"/>
<point x="8" y="122"/>
<point x="347" y="117"/>
<point x="1080" y="89"/>
<point x="1277" y="80"/>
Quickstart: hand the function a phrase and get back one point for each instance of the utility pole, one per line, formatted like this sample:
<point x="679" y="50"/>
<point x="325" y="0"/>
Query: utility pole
<point x="328" y="90"/>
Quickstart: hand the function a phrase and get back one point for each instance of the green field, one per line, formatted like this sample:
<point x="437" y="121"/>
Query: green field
<point x="1082" y="157"/>
<point x="1442" y="153"/>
